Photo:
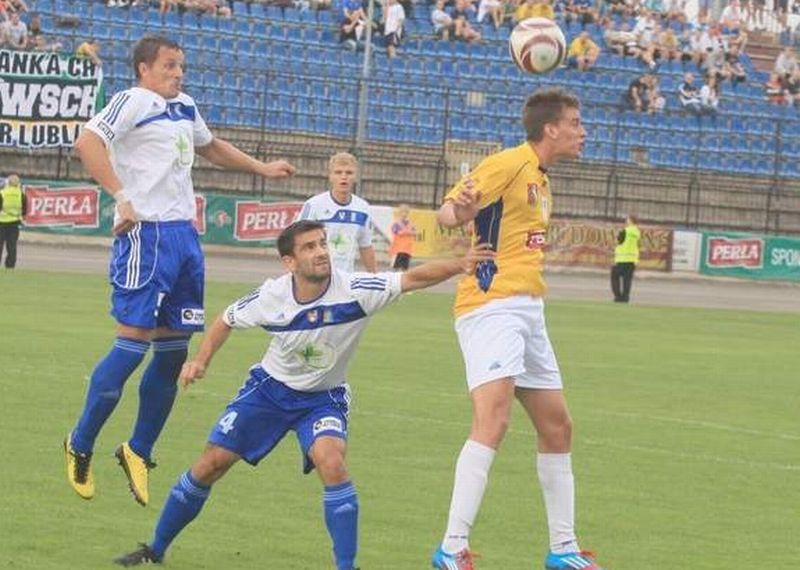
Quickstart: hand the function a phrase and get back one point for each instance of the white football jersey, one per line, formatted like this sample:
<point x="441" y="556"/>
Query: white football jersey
<point x="313" y="342"/>
<point x="151" y="142"/>
<point x="349" y="226"/>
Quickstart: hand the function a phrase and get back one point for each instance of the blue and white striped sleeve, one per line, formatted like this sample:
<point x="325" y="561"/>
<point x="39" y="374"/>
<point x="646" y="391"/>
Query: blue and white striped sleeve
<point x="375" y="290"/>
<point x="246" y="312"/>
<point x="116" y="118"/>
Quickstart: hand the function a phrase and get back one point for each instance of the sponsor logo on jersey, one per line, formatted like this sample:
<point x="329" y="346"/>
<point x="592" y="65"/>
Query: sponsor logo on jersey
<point x="73" y="206"/>
<point x="732" y="252"/>
<point x="328" y="424"/>
<point x="193" y="316"/>
<point x="536" y="240"/>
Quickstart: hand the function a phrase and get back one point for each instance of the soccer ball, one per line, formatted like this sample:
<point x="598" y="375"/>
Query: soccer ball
<point x="537" y="45"/>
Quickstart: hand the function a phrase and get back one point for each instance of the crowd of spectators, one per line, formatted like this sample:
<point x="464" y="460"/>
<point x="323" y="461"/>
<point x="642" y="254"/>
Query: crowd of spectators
<point x="783" y="85"/>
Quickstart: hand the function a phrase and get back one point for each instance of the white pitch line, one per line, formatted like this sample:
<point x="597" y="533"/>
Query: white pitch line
<point x="701" y="424"/>
<point x="588" y="441"/>
<point x="629" y="415"/>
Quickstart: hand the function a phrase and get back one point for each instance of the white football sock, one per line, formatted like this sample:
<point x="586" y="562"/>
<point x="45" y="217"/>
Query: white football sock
<point x="472" y="475"/>
<point x="558" y="489"/>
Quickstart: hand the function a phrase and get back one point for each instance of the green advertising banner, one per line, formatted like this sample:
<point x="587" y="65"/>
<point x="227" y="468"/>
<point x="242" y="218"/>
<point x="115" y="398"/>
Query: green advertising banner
<point x="84" y="209"/>
<point x="750" y="256"/>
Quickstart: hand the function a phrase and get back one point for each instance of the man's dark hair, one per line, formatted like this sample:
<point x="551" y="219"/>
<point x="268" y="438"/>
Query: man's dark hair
<point x="543" y="107"/>
<point x="286" y="239"/>
<point x="146" y="50"/>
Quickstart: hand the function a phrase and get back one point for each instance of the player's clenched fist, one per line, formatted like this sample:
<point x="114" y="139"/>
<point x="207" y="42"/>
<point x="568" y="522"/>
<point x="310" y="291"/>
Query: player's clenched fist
<point x="191" y="372"/>
<point x="478" y="253"/>
<point x="277" y="169"/>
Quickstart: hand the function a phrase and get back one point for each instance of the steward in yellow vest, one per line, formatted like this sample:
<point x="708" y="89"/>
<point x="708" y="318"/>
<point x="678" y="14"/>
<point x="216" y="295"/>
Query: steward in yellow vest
<point x="626" y="256"/>
<point x="12" y="210"/>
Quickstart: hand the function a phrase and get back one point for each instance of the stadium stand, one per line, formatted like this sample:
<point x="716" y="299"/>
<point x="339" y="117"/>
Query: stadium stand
<point x="283" y="70"/>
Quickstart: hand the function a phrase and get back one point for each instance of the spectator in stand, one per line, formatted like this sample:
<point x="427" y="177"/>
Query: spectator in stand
<point x="462" y="29"/>
<point x="646" y="31"/>
<point x="755" y="15"/>
<point x="583" y="52"/>
<point x="43" y="44"/>
<point x="639" y="96"/>
<point x="792" y="86"/>
<point x="34" y="28"/>
<point x="685" y="46"/>
<point x="623" y="41"/>
<point x="351" y="33"/>
<point x="731" y="18"/>
<point x="353" y="11"/>
<point x="733" y="68"/>
<point x="676" y="11"/>
<point x="494" y="8"/>
<point x="582" y="11"/>
<point x="689" y="95"/>
<point x="701" y="46"/>
<point x="16" y="32"/>
<point x="393" y="18"/>
<point x="91" y="50"/>
<point x="658" y="102"/>
<point x="786" y="63"/>
<point x="740" y="41"/>
<point x="775" y="91"/>
<point x="18" y="6"/>
<point x="709" y="95"/>
<point x="668" y="45"/>
<point x="442" y="22"/>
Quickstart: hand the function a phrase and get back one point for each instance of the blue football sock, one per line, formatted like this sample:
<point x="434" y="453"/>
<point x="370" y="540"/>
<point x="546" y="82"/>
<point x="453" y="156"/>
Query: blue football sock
<point x="157" y="392"/>
<point x="183" y="504"/>
<point x="105" y="390"/>
<point x="341" y="518"/>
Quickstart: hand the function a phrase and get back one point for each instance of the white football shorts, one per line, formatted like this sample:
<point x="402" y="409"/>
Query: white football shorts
<point x="507" y="338"/>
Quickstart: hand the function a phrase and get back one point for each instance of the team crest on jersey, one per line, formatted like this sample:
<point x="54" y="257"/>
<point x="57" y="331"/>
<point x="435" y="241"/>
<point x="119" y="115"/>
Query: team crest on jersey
<point x="327" y="316"/>
<point x="312" y="316"/>
<point x="329" y="423"/>
<point x="533" y="194"/>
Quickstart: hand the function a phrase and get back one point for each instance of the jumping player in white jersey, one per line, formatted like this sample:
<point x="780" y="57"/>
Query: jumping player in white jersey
<point x="345" y="215"/>
<point x="140" y="149"/>
<point x="316" y="317"/>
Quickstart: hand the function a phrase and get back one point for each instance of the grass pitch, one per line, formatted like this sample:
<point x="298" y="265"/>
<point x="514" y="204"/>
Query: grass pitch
<point x="687" y="442"/>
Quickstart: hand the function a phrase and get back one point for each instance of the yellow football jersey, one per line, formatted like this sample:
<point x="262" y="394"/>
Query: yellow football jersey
<point x="515" y="211"/>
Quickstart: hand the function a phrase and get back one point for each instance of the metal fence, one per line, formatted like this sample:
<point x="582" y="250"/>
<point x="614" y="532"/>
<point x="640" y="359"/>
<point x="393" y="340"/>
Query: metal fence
<point x="738" y="170"/>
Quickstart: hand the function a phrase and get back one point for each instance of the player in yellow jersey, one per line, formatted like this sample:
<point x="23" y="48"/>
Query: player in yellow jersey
<point x="500" y="325"/>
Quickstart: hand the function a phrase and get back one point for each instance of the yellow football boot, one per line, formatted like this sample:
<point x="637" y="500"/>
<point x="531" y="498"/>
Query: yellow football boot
<point x="79" y="470"/>
<point x="137" y="470"/>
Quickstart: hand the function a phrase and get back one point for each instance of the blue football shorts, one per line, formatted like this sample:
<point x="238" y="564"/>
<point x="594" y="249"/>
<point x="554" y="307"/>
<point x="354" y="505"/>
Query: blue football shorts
<point x="265" y="410"/>
<point x="157" y="273"/>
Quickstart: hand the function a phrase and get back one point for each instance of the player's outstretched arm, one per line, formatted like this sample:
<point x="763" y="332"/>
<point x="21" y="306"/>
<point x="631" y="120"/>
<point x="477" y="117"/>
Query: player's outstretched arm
<point x="212" y="341"/>
<point x="435" y="272"/>
<point x="224" y="154"/>
<point x="94" y="156"/>
<point x="462" y="209"/>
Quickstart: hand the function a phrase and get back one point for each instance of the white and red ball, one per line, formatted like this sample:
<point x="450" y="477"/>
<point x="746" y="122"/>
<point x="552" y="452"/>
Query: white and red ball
<point x="537" y="45"/>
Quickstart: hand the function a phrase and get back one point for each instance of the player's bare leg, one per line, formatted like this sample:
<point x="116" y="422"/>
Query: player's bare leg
<point x="491" y="412"/>
<point x="340" y="500"/>
<point x="549" y="414"/>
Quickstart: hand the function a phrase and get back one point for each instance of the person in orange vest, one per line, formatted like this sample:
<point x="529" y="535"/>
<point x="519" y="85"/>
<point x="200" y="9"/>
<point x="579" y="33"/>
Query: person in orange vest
<point x="12" y="209"/>
<point x="403" y="235"/>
